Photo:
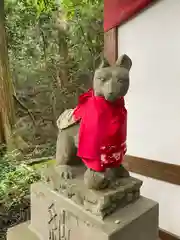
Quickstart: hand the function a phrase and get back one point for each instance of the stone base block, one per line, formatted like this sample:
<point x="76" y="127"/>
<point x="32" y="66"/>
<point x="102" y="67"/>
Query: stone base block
<point x="21" y="232"/>
<point x="101" y="203"/>
<point x="54" y="216"/>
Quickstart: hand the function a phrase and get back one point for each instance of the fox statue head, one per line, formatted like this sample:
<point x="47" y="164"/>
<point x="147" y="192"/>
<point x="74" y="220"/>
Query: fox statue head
<point x="112" y="82"/>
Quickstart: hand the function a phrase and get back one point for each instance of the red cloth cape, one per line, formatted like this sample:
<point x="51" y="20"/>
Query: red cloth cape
<point x="102" y="133"/>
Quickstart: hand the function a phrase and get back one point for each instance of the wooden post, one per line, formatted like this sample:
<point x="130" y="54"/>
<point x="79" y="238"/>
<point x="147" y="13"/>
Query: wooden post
<point x="111" y="45"/>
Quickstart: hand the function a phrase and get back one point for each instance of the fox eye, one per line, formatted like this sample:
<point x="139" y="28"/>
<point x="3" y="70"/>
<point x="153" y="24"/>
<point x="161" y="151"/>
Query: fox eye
<point x="122" y="80"/>
<point x="102" y="79"/>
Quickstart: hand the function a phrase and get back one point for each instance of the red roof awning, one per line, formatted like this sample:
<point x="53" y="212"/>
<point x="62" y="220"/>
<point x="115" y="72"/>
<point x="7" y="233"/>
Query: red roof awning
<point x="118" y="11"/>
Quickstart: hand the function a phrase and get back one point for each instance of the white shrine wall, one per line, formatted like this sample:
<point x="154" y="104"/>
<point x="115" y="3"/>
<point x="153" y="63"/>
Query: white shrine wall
<point x="152" y="40"/>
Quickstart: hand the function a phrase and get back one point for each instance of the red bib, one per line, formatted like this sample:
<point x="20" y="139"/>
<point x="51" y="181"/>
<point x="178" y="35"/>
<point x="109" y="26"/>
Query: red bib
<point x="102" y="133"/>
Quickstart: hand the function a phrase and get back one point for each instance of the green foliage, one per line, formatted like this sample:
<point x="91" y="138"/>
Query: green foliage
<point x="53" y="52"/>
<point x="41" y="6"/>
<point x="15" y="181"/>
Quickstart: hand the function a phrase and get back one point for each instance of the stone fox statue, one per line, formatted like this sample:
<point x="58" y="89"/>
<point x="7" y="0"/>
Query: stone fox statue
<point x="95" y="130"/>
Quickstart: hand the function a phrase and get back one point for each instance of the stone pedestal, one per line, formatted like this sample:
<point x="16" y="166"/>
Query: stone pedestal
<point x="55" y="216"/>
<point x="21" y="232"/>
<point x="102" y="203"/>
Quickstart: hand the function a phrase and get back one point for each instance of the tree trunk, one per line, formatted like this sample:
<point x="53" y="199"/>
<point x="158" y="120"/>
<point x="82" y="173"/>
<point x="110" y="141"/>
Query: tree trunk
<point x="6" y="91"/>
<point x="62" y="70"/>
<point x="7" y="111"/>
<point x="2" y="137"/>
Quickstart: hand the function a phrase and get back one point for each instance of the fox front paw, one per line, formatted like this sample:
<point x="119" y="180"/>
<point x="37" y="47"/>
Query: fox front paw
<point x="95" y="180"/>
<point x="64" y="171"/>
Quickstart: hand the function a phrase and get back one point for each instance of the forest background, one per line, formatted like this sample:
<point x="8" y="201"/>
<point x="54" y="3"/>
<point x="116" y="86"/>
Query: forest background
<point x="48" y="53"/>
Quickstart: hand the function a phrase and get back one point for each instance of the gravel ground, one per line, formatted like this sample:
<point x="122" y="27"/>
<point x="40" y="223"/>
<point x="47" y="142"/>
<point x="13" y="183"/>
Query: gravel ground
<point x="14" y="216"/>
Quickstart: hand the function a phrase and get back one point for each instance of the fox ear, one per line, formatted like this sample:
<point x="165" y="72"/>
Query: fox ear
<point x="104" y="63"/>
<point x="124" y="61"/>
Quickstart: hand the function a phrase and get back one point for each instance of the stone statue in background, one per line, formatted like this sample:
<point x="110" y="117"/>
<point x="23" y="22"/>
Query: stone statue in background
<point x="95" y="130"/>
